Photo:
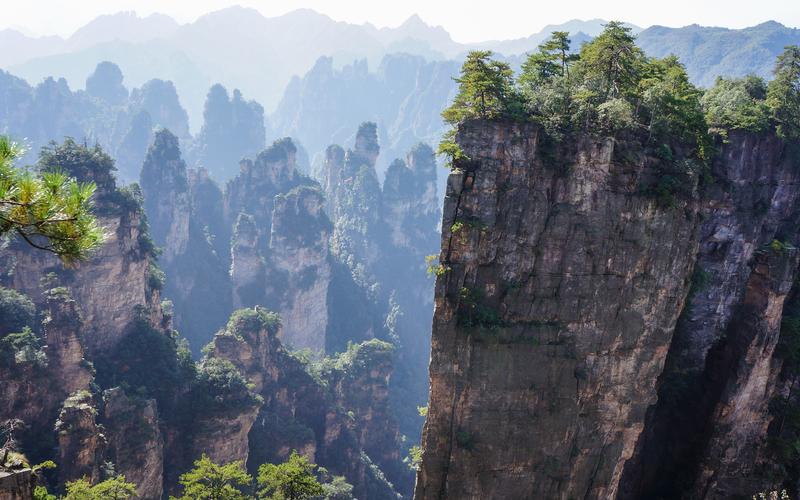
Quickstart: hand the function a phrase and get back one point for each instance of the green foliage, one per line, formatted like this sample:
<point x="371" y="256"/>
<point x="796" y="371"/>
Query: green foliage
<point x="253" y="320"/>
<point x="155" y="276"/>
<point x="783" y="94"/>
<point x="41" y="493"/>
<point x="23" y="348"/>
<point x="486" y="90"/>
<point x="414" y="458"/>
<point x="210" y="481"/>
<point x="78" y="160"/>
<point x="671" y="104"/>
<point x="473" y="313"/>
<point x="115" y="488"/>
<point x="337" y="489"/>
<point x="449" y="148"/>
<point x="50" y="211"/>
<point x="148" y="362"/>
<point x="779" y="247"/>
<point x="553" y="59"/>
<point x="434" y="268"/>
<point x="16" y="311"/>
<point x="291" y="480"/>
<point x="221" y="387"/>
<point x="611" y="63"/>
<point x="46" y="465"/>
<point x="737" y="103"/>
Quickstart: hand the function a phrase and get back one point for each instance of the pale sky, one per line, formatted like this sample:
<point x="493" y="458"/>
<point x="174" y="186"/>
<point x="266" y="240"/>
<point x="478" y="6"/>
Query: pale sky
<point x="466" y="20"/>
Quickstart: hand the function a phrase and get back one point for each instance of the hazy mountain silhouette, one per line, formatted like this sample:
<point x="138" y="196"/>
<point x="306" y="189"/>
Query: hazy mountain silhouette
<point x="237" y="47"/>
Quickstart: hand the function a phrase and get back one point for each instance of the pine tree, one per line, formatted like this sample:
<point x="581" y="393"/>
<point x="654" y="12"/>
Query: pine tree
<point x="486" y="89"/>
<point x="291" y="480"/>
<point x="49" y="210"/>
<point x="783" y="95"/>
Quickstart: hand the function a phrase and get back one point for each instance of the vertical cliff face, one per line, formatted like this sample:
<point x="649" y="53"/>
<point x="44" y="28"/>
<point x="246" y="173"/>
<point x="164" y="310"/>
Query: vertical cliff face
<point x="708" y="431"/>
<point x="135" y="443"/>
<point x="280" y="253"/>
<point x="592" y="342"/>
<point x="38" y="378"/>
<point x="309" y="412"/>
<point x="563" y="286"/>
<point x="233" y="129"/>
<point x="298" y="250"/>
<point x="198" y="284"/>
<point x="81" y="445"/>
<point x="166" y="195"/>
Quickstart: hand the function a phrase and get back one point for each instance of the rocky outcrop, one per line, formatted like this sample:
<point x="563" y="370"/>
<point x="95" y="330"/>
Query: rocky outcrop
<point x="279" y="253"/>
<point x="361" y="383"/>
<point x="299" y="252"/>
<point x="707" y="433"/>
<point x="135" y="444"/>
<point x="81" y="443"/>
<point x="106" y="84"/>
<point x="16" y="484"/>
<point x="37" y="379"/>
<point x="308" y="413"/>
<point x="410" y="203"/>
<point x="590" y="341"/>
<point x="233" y="129"/>
<point x="198" y="286"/>
<point x="166" y="195"/>
<point x="563" y="284"/>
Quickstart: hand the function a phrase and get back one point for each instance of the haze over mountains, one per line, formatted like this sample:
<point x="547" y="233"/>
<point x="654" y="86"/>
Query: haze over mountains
<point x="240" y="48"/>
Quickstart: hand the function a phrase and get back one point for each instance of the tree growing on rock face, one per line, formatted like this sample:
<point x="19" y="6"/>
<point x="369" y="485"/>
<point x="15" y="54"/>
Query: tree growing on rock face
<point x="783" y="95"/>
<point x="50" y="211"/>
<point x="291" y="480"/>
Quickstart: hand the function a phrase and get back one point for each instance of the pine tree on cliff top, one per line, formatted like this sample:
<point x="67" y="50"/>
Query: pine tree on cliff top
<point x="485" y="89"/>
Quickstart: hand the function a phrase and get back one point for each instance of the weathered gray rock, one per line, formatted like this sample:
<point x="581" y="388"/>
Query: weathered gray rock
<point x="552" y="324"/>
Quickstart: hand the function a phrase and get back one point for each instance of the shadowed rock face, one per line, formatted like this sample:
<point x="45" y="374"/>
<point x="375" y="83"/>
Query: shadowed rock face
<point x="552" y="325"/>
<point x="589" y="342"/>
<point x="706" y="436"/>
<point x="279" y="251"/>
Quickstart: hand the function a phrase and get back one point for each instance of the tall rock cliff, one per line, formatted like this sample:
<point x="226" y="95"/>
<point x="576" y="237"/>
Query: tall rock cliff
<point x="708" y="430"/>
<point x="310" y="409"/>
<point x="592" y="341"/>
<point x="548" y="333"/>
<point x="279" y="251"/>
<point x="198" y="286"/>
<point x="233" y="129"/>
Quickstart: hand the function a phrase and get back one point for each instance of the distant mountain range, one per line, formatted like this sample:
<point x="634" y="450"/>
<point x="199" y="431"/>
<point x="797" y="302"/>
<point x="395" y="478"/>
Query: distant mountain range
<point x="240" y="48"/>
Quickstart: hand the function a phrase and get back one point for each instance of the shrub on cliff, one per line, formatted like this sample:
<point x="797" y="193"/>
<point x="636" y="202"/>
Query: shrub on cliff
<point x="252" y="320"/>
<point x="23" y="348"/>
<point x="609" y="87"/>
<point x="221" y="387"/>
<point x="16" y="311"/>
